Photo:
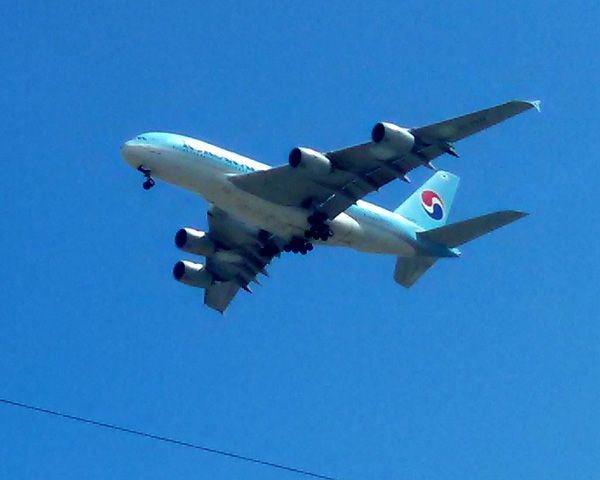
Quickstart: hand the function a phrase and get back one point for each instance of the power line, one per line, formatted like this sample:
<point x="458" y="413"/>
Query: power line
<point x="165" y="439"/>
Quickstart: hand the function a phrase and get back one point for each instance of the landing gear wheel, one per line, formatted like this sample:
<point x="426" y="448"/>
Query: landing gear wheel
<point x="298" y="245"/>
<point x="149" y="183"/>
<point x="317" y="218"/>
<point x="319" y="230"/>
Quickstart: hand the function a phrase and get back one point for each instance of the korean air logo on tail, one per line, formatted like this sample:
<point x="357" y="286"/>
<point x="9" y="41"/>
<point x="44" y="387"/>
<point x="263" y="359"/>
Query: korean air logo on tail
<point x="432" y="204"/>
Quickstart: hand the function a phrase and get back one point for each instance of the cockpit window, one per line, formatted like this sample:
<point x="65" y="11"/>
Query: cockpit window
<point x="141" y="137"/>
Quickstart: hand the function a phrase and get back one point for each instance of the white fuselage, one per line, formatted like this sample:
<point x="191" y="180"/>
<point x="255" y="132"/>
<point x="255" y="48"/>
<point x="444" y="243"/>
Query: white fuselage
<point x="205" y="169"/>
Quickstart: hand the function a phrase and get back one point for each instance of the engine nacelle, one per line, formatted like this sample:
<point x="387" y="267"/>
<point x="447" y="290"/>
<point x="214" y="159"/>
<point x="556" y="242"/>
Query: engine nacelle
<point x="192" y="274"/>
<point x="392" y="137"/>
<point x="312" y="162"/>
<point x="194" y="241"/>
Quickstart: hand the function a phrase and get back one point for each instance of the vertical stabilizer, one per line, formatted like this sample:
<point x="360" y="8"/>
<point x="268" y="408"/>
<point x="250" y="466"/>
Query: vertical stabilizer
<point x="430" y="205"/>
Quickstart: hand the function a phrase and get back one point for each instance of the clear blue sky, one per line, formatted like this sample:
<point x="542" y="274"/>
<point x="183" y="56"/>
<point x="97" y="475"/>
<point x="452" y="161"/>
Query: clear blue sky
<point x="488" y="368"/>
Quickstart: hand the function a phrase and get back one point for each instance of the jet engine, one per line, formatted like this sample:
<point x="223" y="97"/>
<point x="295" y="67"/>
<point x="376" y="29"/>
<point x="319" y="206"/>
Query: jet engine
<point x="314" y="163"/>
<point x="194" y="241"/>
<point x="192" y="274"/>
<point x="392" y="137"/>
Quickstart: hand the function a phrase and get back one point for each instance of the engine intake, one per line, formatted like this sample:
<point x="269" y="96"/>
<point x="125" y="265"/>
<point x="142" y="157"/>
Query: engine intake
<point x="194" y="241"/>
<point x="312" y="162"/>
<point x="192" y="274"/>
<point x="392" y="137"/>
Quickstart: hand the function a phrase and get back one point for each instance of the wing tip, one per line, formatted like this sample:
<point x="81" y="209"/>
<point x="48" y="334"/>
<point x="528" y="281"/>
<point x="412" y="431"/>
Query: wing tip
<point x="516" y="214"/>
<point x="537" y="104"/>
<point x="522" y="214"/>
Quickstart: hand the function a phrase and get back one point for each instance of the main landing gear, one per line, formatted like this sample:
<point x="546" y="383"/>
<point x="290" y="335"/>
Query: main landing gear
<point x="298" y="245"/>
<point x="149" y="182"/>
<point x="269" y="249"/>
<point x="318" y="230"/>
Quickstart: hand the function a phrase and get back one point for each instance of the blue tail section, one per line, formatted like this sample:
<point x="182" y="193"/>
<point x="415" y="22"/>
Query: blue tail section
<point x="430" y="205"/>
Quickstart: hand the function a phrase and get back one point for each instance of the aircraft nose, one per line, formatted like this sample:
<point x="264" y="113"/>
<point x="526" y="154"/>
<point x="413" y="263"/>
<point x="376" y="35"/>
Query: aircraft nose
<point x="130" y="152"/>
<point x="129" y="146"/>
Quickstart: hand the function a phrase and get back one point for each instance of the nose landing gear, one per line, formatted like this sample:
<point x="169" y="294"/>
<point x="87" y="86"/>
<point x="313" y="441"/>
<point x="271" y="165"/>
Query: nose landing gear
<point x="149" y="182"/>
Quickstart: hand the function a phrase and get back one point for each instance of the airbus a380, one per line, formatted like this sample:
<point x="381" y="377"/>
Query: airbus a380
<point x="257" y="211"/>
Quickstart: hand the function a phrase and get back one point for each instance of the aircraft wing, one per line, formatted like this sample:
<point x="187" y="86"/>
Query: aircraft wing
<point x="240" y="257"/>
<point x="460" y="127"/>
<point x="364" y="168"/>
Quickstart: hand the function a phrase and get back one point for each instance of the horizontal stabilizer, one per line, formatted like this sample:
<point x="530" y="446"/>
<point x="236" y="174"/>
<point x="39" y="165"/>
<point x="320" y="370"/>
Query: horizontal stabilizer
<point x="409" y="269"/>
<point x="458" y="233"/>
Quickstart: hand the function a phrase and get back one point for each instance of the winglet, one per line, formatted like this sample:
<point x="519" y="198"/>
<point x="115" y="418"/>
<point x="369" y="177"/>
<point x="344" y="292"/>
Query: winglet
<point x="537" y="104"/>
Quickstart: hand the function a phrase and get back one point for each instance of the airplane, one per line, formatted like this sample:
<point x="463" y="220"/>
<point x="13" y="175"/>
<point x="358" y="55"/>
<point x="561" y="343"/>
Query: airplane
<point x="256" y="212"/>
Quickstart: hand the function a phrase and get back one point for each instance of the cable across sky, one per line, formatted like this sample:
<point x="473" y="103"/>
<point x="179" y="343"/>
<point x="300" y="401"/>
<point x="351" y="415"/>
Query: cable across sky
<point x="166" y="439"/>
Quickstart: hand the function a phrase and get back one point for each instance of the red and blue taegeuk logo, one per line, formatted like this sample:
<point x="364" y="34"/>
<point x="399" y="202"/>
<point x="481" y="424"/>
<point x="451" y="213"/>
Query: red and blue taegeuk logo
<point x="432" y="204"/>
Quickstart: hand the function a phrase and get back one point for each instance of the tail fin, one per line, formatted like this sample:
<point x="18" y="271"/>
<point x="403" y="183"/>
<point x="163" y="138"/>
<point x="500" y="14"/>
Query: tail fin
<point x="462" y="232"/>
<point x="430" y="205"/>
